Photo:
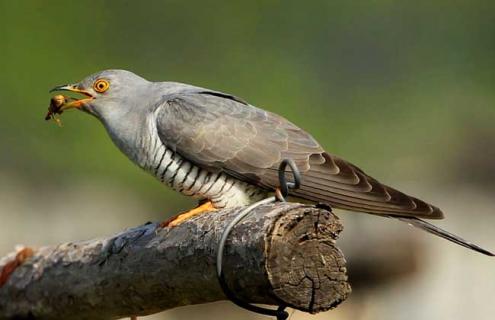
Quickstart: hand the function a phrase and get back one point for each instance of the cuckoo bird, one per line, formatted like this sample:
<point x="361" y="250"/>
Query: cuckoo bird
<point x="220" y="149"/>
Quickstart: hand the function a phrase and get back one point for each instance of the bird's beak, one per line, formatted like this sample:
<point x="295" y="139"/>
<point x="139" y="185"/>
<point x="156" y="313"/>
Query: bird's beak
<point x="73" y="103"/>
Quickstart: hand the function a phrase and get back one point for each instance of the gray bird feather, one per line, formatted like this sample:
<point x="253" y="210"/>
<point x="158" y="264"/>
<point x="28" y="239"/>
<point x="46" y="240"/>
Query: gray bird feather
<point x="220" y="132"/>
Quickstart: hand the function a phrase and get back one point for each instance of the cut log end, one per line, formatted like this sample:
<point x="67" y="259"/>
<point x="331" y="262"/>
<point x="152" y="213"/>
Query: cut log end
<point x="305" y="268"/>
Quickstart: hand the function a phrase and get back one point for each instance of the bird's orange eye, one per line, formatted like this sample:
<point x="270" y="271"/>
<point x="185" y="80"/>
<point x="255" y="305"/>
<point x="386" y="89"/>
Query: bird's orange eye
<point x="101" y="85"/>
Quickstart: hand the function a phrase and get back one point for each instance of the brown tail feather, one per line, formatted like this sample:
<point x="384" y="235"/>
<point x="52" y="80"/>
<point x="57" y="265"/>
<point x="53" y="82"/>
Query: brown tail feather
<point x="341" y="201"/>
<point x="428" y="227"/>
<point x="344" y="185"/>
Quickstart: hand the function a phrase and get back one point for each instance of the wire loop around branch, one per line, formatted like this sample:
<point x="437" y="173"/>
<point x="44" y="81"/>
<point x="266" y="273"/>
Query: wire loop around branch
<point x="281" y="194"/>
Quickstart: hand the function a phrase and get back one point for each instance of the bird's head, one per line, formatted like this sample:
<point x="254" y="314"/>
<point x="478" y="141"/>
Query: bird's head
<point x="106" y="93"/>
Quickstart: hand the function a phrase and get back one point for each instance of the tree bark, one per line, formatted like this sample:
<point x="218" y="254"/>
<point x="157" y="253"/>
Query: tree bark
<point x="280" y="253"/>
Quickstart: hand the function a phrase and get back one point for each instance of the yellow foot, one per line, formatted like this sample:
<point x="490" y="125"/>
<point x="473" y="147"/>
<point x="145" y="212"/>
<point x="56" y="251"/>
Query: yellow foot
<point x="181" y="217"/>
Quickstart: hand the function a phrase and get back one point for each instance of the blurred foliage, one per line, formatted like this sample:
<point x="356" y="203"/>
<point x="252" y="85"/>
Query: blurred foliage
<point x="393" y="86"/>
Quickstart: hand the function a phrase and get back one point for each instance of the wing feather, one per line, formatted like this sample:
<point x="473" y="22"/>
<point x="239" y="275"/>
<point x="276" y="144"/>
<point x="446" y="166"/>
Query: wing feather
<point x="221" y="132"/>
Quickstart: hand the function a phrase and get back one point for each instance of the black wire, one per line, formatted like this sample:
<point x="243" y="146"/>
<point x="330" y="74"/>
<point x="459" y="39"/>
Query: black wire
<point x="279" y="313"/>
<point x="284" y="185"/>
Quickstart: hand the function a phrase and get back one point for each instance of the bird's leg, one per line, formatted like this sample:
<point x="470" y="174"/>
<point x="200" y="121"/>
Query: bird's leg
<point x="181" y="217"/>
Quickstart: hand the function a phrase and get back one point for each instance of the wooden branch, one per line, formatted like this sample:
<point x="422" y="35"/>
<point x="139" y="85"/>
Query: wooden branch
<point x="280" y="253"/>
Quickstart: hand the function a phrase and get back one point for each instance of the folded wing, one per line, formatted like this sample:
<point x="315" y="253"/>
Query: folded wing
<point x="222" y="133"/>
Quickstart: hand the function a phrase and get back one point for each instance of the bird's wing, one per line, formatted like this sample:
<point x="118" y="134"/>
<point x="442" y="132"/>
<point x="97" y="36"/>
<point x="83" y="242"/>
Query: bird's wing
<point x="221" y="132"/>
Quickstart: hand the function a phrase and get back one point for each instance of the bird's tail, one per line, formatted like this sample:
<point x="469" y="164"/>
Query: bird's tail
<point x="421" y="224"/>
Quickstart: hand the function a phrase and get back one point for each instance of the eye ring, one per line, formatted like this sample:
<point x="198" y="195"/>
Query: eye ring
<point x="101" y="85"/>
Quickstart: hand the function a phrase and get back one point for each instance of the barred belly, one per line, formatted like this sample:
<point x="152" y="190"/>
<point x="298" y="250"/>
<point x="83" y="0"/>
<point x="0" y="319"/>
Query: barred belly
<point x="180" y="174"/>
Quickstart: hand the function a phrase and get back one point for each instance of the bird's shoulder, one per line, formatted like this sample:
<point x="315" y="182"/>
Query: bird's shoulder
<point x="168" y="93"/>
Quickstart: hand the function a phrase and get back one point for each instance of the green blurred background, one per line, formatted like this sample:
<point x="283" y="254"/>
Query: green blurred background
<point x="404" y="89"/>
